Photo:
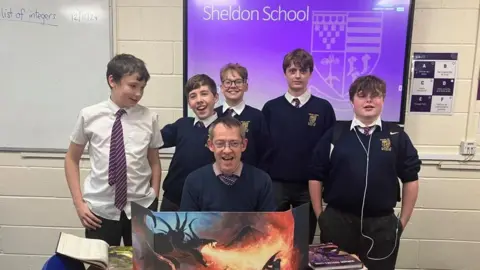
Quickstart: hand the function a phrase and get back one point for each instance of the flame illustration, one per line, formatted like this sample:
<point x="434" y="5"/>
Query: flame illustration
<point x="240" y="246"/>
<point x="253" y="251"/>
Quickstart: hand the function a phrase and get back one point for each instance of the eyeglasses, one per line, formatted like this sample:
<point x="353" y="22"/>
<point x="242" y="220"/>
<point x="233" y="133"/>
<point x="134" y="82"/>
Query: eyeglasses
<point x="223" y="144"/>
<point x="229" y="83"/>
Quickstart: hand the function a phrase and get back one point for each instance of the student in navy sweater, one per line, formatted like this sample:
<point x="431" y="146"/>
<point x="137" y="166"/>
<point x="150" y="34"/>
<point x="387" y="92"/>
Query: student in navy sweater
<point x="296" y="121"/>
<point x="228" y="185"/>
<point x="359" y="178"/>
<point x="234" y="79"/>
<point x="189" y="137"/>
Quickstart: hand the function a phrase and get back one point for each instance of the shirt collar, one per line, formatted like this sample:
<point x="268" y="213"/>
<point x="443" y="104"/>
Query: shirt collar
<point x="356" y="122"/>
<point x="208" y="121"/>
<point x="238" y="109"/>
<point x="237" y="172"/>
<point x="114" y="107"/>
<point x="303" y="97"/>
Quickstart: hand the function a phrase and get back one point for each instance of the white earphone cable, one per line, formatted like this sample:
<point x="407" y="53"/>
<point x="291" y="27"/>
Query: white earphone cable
<point x="367" y="152"/>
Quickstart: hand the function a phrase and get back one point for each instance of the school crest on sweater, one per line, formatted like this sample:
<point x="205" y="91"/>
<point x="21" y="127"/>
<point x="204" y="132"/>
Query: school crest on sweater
<point x="312" y="119"/>
<point x="386" y="144"/>
<point x="245" y="125"/>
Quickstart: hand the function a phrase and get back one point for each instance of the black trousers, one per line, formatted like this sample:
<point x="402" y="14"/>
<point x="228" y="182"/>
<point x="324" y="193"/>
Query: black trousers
<point x="291" y="195"/>
<point x="343" y="229"/>
<point x="112" y="231"/>
<point x="168" y="206"/>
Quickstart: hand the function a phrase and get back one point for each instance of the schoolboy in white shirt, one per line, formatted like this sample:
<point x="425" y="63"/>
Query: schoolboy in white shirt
<point x="123" y="139"/>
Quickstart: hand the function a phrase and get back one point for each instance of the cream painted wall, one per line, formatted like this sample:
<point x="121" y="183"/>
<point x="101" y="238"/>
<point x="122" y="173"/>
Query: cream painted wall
<point x="443" y="233"/>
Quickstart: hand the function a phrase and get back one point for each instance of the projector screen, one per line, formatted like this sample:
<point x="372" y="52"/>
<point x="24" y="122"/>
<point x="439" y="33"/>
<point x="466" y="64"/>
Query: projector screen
<point x="347" y="39"/>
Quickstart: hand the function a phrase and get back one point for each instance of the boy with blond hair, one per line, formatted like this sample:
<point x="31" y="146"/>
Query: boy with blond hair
<point x="234" y="79"/>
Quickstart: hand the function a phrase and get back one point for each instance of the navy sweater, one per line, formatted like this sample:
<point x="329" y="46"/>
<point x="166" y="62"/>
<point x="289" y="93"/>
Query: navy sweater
<point x="252" y="192"/>
<point x="343" y="173"/>
<point x="294" y="133"/>
<point x="191" y="153"/>
<point x="257" y="136"/>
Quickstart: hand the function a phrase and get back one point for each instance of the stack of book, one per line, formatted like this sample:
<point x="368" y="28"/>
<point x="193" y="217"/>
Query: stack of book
<point x="328" y="256"/>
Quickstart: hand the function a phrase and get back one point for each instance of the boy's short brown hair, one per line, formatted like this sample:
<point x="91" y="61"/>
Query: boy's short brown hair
<point x="241" y="70"/>
<point x="368" y="85"/>
<point x="124" y="64"/>
<point x="300" y="58"/>
<point x="228" y="121"/>
<point x="199" y="80"/>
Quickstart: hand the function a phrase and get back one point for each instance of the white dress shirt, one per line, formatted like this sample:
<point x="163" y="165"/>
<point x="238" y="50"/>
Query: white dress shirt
<point x="141" y="131"/>
<point x="358" y="124"/>
<point x="361" y="126"/>
<point x="303" y="98"/>
<point x="206" y="122"/>
<point x="237" y="109"/>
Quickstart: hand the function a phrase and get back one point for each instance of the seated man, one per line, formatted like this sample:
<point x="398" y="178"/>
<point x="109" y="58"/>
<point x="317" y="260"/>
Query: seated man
<point x="228" y="185"/>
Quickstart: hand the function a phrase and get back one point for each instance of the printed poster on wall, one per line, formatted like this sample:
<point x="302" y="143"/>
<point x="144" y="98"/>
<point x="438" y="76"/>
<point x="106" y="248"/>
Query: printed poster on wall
<point x="433" y="82"/>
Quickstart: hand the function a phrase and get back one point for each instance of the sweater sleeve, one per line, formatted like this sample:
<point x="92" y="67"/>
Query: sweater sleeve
<point x="319" y="166"/>
<point x="169" y="134"/>
<point x="191" y="195"/>
<point x="410" y="163"/>
<point x="330" y="117"/>
<point x="265" y="200"/>
<point x="264" y="149"/>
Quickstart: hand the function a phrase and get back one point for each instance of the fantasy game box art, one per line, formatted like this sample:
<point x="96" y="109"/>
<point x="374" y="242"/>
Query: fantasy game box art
<point x="220" y="240"/>
<point x="329" y="256"/>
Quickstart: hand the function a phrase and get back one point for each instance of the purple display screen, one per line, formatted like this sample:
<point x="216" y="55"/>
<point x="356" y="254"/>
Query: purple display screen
<point x="347" y="38"/>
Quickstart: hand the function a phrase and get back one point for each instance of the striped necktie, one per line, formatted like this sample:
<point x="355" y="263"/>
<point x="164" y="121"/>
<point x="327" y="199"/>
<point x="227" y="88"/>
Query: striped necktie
<point x="296" y="102"/>
<point x="228" y="179"/>
<point x="366" y="130"/>
<point x="117" y="166"/>
<point x="229" y="112"/>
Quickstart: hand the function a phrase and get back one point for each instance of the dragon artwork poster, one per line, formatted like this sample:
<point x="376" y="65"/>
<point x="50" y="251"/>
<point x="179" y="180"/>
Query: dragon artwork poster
<point x="220" y="240"/>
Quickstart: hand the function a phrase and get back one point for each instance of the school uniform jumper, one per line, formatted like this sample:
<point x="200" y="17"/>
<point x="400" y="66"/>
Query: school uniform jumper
<point x="189" y="137"/>
<point x="295" y="127"/>
<point x="205" y="191"/>
<point x="256" y="132"/>
<point x="343" y="174"/>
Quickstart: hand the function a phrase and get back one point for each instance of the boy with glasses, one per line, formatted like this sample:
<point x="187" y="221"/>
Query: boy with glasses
<point x="234" y="78"/>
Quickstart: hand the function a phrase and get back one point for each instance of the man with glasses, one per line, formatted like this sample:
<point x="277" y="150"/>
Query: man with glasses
<point x="227" y="185"/>
<point x="234" y="83"/>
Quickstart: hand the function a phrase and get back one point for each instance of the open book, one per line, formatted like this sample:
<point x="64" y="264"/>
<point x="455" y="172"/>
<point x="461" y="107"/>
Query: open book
<point x="94" y="252"/>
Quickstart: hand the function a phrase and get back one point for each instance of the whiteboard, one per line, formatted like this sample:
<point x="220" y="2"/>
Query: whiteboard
<point x="53" y="58"/>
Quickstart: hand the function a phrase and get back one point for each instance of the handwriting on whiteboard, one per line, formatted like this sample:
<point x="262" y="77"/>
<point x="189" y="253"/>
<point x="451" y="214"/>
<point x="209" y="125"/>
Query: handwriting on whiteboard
<point x="84" y="16"/>
<point x="28" y="16"/>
